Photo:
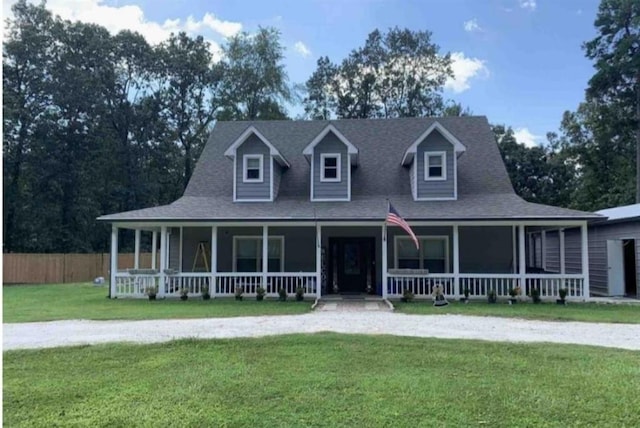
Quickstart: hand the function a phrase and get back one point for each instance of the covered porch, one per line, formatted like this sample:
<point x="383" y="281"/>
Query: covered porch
<point x="334" y="257"/>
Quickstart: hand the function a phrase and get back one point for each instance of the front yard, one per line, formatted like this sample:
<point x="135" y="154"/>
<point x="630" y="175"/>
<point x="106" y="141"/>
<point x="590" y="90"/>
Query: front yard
<point x="587" y="312"/>
<point x="322" y="380"/>
<point x="26" y="303"/>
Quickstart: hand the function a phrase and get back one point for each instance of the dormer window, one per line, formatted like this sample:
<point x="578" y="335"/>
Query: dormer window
<point x="330" y="171"/>
<point x="435" y="166"/>
<point x="252" y="167"/>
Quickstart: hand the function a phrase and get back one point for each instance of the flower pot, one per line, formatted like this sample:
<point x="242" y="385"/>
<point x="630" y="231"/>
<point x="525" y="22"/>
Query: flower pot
<point x="238" y="297"/>
<point x="561" y="302"/>
<point x="513" y="301"/>
<point x="464" y="299"/>
<point x="152" y="297"/>
<point x="184" y="297"/>
<point x="404" y="300"/>
<point x="299" y="298"/>
<point x="206" y="296"/>
<point x="259" y="298"/>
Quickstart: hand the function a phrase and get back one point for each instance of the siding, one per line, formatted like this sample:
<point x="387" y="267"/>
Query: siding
<point x="552" y="242"/>
<point x="340" y="190"/>
<point x="435" y="189"/>
<point x="277" y="177"/>
<point x="486" y="249"/>
<point x="412" y="177"/>
<point x="253" y="146"/>
<point x="174" y="248"/>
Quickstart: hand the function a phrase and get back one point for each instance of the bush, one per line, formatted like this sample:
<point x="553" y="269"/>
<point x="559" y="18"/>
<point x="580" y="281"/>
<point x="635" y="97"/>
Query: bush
<point x="282" y="295"/>
<point x="239" y="291"/>
<point x="299" y="294"/>
<point x="535" y="295"/>
<point x="563" y="293"/>
<point x="260" y="292"/>
<point x="491" y="296"/>
<point x="407" y="296"/>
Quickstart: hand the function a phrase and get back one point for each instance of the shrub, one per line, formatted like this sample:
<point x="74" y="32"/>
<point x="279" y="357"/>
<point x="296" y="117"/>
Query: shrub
<point x="239" y="291"/>
<point x="563" y="293"/>
<point x="282" y="295"/>
<point x="407" y="295"/>
<point x="491" y="296"/>
<point x="299" y="294"/>
<point x="260" y="292"/>
<point x="535" y="295"/>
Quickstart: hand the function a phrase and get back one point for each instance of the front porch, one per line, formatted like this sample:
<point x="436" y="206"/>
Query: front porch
<point x="325" y="258"/>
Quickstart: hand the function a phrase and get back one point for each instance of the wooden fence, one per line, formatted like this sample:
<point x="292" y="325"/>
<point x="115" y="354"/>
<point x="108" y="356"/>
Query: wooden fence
<point x="62" y="268"/>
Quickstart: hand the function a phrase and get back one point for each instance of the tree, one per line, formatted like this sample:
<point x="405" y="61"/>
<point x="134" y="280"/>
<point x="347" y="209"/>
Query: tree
<point x="255" y="82"/>
<point x="395" y="74"/>
<point x="616" y="83"/>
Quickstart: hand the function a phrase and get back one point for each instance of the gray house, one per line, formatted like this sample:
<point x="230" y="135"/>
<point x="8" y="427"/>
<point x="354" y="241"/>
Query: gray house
<point x="614" y="251"/>
<point x="288" y="204"/>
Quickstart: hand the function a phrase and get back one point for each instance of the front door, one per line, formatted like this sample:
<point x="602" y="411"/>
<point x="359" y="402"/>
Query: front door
<point x="353" y="270"/>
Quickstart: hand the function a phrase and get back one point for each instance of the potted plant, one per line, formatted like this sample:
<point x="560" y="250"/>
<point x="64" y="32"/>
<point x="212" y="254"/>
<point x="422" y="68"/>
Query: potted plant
<point x="535" y="295"/>
<point x="205" y="292"/>
<point x="491" y="296"/>
<point x="260" y="292"/>
<point x="466" y="295"/>
<point x="407" y="296"/>
<point x="514" y="293"/>
<point x="151" y="292"/>
<point x="563" y="295"/>
<point x="184" y="293"/>
<point x="282" y="295"/>
<point x="239" y="291"/>
<point x="299" y="294"/>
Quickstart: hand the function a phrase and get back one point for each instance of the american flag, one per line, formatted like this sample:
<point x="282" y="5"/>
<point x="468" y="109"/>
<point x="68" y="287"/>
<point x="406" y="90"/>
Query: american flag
<point x="394" y="218"/>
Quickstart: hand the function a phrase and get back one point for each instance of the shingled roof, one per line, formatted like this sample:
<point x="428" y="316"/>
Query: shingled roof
<point x="484" y="188"/>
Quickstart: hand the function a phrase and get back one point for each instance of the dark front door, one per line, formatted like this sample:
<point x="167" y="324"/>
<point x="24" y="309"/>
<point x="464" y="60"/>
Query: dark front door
<point x="353" y="269"/>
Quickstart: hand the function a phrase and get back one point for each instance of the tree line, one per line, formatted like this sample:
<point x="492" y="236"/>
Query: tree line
<point x="97" y="123"/>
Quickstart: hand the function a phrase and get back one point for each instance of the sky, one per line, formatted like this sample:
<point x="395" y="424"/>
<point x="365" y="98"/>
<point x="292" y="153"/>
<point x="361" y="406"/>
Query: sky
<point x="518" y="62"/>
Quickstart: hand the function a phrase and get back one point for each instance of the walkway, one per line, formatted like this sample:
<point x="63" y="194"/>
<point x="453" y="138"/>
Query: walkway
<point x="79" y="332"/>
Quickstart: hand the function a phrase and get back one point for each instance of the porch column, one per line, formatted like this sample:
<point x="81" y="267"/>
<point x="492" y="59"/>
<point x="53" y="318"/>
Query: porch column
<point x="523" y="261"/>
<point x="384" y="260"/>
<point x="562" y="261"/>
<point x="154" y="248"/>
<point x="543" y="250"/>
<point x="585" y="261"/>
<point x="265" y="255"/>
<point x="136" y="251"/>
<point x="456" y="262"/>
<point x="214" y="261"/>
<point x="114" y="262"/>
<point x="163" y="259"/>
<point x="318" y="261"/>
<point x="180" y="253"/>
<point x="514" y="247"/>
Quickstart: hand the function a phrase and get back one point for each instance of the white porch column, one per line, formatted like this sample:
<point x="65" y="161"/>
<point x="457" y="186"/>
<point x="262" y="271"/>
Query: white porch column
<point x="562" y="260"/>
<point x="180" y="267"/>
<point x="163" y="259"/>
<point x="318" y="261"/>
<point x="384" y="261"/>
<point x="522" y="268"/>
<point x="114" y="261"/>
<point x="585" y="261"/>
<point x="154" y="248"/>
<point x="136" y="251"/>
<point x="265" y="255"/>
<point x="456" y="262"/>
<point x="543" y="250"/>
<point x="514" y="246"/>
<point x="214" y="261"/>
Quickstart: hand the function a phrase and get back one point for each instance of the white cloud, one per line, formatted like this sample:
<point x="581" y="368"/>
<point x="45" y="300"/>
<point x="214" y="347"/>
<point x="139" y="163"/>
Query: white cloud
<point x="302" y="49"/>
<point x="523" y="135"/>
<point x="131" y="17"/>
<point x="528" y="4"/>
<point x="464" y="69"/>
<point x="471" y="26"/>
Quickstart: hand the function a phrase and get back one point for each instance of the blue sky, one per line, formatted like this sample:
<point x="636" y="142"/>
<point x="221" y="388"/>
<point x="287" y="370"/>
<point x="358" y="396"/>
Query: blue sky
<point x="519" y="62"/>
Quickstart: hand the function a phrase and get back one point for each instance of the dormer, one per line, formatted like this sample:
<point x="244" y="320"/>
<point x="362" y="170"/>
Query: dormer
<point x="257" y="167"/>
<point x="432" y="159"/>
<point x="332" y="156"/>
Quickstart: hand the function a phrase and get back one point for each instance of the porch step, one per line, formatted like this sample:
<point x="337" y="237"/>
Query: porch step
<point x="350" y="305"/>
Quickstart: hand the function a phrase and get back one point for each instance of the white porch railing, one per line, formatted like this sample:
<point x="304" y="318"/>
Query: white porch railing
<point x="289" y="281"/>
<point x="479" y="285"/>
<point x="134" y="285"/>
<point x="194" y="282"/>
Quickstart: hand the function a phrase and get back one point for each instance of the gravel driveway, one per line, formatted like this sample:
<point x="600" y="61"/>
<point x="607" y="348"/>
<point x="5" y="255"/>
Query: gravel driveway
<point x="80" y="332"/>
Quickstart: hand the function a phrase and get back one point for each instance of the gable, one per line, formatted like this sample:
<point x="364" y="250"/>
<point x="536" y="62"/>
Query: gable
<point x="438" y="129"/>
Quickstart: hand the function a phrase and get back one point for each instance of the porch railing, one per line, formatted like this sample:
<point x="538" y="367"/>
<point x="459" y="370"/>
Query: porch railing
<point x="193" y="282"/>
<point x="479" y="285"/>
<point x="134" y="285"/>
<point x="289" y="281"/>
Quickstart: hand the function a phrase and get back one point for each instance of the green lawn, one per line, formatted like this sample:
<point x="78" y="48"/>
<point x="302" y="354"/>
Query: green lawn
<point x="25" y="303"/>
<point x="590" y="312"/>
<point x="323" y="380"/>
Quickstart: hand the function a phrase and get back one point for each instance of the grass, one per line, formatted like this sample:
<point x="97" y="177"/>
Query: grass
<point x="26" y="303"/>
<point x="589" y="312"/>
<point x="322" y="380"/>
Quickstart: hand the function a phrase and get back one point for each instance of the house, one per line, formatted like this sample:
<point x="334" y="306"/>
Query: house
<point x="290" y="204"/>
<point x="614" y="251"/>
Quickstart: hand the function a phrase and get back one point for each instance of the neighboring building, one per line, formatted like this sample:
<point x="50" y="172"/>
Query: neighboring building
<point x="614" y="252"/>
<point x="313" y="197"/>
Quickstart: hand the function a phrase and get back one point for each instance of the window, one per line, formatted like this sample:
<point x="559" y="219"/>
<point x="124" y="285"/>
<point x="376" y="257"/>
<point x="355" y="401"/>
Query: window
<point x="432" y="255"/>
<point x="330" y="167"/>
<point x="247" y="254"/>
<point x="435" y="166"/>
<point x="252" y="168"/>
